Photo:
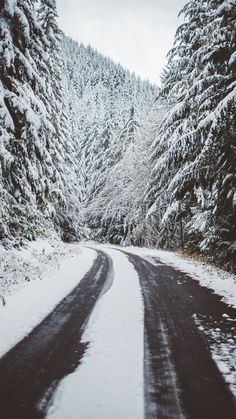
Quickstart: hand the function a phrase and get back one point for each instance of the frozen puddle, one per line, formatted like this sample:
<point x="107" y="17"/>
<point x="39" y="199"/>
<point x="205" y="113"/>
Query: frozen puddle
<point x="109" y="381"/>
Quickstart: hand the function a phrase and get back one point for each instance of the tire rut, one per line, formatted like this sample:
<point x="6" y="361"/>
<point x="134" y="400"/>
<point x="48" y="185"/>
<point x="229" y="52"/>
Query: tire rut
<point x="32" y="369"/>
<point x="181" y="378"/>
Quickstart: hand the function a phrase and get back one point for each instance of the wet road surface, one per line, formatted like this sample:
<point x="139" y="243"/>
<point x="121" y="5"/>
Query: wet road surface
<point x="30" y="372"/>
<point x="181" y="378"/>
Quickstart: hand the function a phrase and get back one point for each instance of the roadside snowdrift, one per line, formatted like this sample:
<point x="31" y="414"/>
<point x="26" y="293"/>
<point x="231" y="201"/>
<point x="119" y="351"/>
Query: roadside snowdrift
<point x="33" y="281"/>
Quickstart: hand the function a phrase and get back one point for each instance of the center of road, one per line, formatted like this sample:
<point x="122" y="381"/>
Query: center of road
<point x="109" y="381"/>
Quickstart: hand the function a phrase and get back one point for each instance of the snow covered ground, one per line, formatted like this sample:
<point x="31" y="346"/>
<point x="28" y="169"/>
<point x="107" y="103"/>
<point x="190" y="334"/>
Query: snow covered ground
<point x="33" y="281"/>
<point x="30" y="263"/>
<point x="109" y="382"/>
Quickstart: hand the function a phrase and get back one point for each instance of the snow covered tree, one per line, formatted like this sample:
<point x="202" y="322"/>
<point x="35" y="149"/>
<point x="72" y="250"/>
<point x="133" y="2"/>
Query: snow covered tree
<point x="32" y="115"/>
<point x="24" y="121"/>
<point x="107" y="105"/>
<point x="72" y="130"/>
<point x="119" y="205"/>
<point x="194" y="174"/>
<point x="63" y="143"/>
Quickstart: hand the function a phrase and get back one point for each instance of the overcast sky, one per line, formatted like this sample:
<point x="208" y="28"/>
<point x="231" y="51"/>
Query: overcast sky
<point x="135" y="33"/>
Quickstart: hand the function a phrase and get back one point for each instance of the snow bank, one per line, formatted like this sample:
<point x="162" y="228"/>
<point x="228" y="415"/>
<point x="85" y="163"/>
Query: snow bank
<point x="19" y="267"/>
<point x="109" y="382"/>
<point x="36" y="279"/>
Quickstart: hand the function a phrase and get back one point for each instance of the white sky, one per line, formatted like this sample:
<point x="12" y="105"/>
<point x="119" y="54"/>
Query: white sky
<point x="135" y="33"/>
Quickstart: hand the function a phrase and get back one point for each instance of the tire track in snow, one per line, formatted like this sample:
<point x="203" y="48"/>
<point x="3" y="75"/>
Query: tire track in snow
<point x="181" y="378"/>
<point x="109" y="382"/>
<point x="31" y="370"/>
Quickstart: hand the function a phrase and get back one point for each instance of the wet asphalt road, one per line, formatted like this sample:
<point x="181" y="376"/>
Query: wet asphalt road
<point x="181" y="379"/>
<point x="30" y="372"/>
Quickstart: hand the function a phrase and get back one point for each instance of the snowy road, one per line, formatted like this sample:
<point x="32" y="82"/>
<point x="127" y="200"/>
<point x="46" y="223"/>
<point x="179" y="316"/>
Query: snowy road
<point x="32" y="369"/>
<point x="139" y="353"/>
<point x="182" y="380"/>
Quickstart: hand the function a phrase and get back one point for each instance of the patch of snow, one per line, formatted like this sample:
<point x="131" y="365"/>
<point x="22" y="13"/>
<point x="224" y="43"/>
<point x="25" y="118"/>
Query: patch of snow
<point x="35" y="280"/>
<point x="232" y="59"/>
<point x="10" y="6"/>
<point x="222" y="343"/>
<point x="109" y="381"/>
<point x="39" y="258"/>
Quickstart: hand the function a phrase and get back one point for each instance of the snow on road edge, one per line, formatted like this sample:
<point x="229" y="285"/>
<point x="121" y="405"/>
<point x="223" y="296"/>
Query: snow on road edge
<point x="31" y="262"/>
<point x="221" y="282"/>
<point x="109" y="381"/>
<point x="222" y="345"/>
<point x="34" y="300"/>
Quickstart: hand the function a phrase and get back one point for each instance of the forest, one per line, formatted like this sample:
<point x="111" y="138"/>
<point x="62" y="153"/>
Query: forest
<point x="91" y="151"/>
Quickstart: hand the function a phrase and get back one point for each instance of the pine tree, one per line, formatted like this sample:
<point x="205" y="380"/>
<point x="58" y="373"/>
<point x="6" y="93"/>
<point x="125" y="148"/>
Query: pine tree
<point x="70" y="125"/>
<point x="107" y="104"/>
<point x="24" y="121"/>
<point x="194" y="159"/>
<point x="60" y="140"/>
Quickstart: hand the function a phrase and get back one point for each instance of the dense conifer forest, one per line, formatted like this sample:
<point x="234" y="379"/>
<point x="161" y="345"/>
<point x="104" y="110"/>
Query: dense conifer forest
<point x="92" y="151"/>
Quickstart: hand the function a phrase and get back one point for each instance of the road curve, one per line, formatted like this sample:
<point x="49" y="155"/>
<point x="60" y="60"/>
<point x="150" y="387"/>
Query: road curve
<point x="181" y="378"/>
<point x="52" y="350"/>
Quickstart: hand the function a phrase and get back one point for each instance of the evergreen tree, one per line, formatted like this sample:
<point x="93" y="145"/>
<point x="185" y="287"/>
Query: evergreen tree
<point x="70" y="130"/>
<point x="25" y="157"/>
<point x="195" y="165"/>
<point x="108" y="103"/>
